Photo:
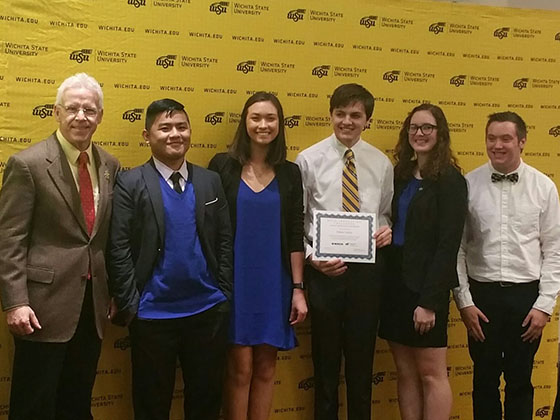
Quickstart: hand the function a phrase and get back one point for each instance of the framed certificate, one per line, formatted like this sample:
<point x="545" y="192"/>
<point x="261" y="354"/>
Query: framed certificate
<point x="344" y="235"/>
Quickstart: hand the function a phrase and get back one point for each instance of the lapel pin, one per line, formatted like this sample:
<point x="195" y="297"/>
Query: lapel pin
<point x="107" y="175"/>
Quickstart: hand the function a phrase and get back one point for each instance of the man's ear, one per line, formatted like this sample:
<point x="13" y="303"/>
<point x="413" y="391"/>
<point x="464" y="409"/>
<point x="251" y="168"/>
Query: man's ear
<point x="522" y="143"/>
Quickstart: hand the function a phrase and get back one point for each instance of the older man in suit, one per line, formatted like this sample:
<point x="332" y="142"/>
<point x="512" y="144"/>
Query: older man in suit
<point x="170" y="265"/>
<point x="55" y="208"/>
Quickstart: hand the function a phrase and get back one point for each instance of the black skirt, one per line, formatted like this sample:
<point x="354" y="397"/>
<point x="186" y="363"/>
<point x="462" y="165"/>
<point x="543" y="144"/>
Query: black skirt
<point x="398" y="303"/>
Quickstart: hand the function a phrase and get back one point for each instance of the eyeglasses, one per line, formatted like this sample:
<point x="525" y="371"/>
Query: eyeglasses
<point x="425" y="129"/>
<point x="73" y="111"/>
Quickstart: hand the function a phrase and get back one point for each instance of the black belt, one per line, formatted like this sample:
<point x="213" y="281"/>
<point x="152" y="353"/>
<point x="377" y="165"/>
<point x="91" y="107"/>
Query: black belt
<point x="502" y="284"/>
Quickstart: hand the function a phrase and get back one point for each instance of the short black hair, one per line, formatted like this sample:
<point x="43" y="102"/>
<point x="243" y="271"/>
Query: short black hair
<point x="240" y="149"/>
<point x="508" y="116"/>
<point x="162" y="105"/>
<point x="350" y="93"/>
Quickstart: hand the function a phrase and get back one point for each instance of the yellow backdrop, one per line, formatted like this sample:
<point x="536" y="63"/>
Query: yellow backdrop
<point x="211" y="56"/>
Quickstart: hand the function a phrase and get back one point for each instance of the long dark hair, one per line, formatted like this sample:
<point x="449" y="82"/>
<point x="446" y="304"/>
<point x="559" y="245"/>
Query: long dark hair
<point x="240" y="149"/>
<point x="440" y="157"/>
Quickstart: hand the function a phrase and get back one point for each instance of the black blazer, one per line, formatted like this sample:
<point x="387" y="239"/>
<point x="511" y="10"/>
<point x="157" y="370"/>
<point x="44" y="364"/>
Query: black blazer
<point x="291" y="199"/>
<point x="137" y="232"/>
<point x="434" y="226"/>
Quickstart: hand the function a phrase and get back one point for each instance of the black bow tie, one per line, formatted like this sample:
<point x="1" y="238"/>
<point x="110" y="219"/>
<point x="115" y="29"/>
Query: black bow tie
<point x="514" y="177"/>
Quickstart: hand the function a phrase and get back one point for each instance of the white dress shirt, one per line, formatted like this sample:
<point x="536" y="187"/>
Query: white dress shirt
<point x="512" y="234"/>
<point x="321" y="168"/>
<point x="166" y="172"/>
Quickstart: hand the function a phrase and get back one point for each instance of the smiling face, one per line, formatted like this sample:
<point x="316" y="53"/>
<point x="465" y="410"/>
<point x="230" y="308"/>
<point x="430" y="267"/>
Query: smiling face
<point x="262" y="123"/>
<point x="349" y="122"/>
<point x="169" y="138"/>
<point x="78" y="115"/>
<point x="422" y="143"/>
<point x="503" y="146"/>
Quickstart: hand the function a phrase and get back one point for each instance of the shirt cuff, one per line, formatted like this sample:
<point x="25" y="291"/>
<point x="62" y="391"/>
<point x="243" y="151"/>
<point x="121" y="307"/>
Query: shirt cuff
<point x="545" y="304"/>
<point x="463" y="298"/>
<point x="308" y="251"/>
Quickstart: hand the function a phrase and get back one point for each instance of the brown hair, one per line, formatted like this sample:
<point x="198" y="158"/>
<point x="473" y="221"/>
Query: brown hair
<point x="440" y="156"/>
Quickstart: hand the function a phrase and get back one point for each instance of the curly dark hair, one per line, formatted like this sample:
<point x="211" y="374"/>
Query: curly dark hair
<point x="240" y="149"/>
<point x="440" y="157"/>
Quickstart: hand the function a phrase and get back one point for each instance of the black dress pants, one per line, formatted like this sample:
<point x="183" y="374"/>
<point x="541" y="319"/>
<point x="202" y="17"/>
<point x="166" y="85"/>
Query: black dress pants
<point x="503" y="351"/>
<point x="556" y="411"/>
<point x="199" y="342"/>
<point x="54" y="381"/>
<point x="344" y="316"/>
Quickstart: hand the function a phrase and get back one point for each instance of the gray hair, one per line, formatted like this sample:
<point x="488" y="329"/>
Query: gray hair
<point x="80" y="80"/>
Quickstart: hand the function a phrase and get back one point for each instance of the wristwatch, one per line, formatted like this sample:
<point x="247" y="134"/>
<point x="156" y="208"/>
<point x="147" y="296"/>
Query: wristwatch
<point x="300" y="285"/>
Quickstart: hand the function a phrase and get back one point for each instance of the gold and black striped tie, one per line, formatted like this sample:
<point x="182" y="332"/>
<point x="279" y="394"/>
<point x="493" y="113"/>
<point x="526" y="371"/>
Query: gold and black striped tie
<point x="350" y="195"/>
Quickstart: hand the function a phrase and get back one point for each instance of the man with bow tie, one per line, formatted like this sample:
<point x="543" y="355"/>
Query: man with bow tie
<point x="509" y="269"/>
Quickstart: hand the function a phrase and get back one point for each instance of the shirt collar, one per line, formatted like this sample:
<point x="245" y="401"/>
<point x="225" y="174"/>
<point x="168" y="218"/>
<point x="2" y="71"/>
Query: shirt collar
<point x="519" y="169"/>
<point x="166" y="171"/>
<point x="70" y="151"/>
<point x="341" y="148"/>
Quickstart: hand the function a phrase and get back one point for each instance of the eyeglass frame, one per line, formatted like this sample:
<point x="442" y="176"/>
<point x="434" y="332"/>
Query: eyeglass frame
<point x="413" y="129"/>
<point x="73" y="111"/>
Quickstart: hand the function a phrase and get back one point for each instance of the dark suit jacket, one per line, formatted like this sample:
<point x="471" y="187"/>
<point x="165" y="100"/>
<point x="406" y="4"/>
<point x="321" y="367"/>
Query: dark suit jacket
<point x="45" y="249"/>
<point x="291" y="199"/>
<point x="137" y="233"/>
<point x="434" y="226"/>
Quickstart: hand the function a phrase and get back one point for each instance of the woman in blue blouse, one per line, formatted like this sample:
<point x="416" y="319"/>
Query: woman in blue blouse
<point x="429" y="209"/>
<point x="265" y="198"/>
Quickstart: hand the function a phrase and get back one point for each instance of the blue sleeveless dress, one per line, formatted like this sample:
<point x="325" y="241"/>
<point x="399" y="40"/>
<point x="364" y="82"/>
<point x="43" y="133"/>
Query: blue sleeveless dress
<point x="262" y="287"/>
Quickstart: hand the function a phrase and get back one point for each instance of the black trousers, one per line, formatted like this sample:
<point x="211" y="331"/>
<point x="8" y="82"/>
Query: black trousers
<point x="54" y="381"/>
<point x="199" y="342"/>
<point x="503" y="351"/>
<point x="344" y="316"/>
<point x="556" y="411"/>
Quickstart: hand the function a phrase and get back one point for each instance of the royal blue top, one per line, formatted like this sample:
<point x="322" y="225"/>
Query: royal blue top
<point x="181" y="284"/>
<point x="406" y="197"/>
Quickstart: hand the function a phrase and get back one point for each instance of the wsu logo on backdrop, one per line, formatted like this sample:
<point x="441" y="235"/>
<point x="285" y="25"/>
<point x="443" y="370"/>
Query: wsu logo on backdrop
<point x="458" y="80"/>
<point x="296" y="15"/>
<point x="133" y="115"/>
<point x="80" y="55"/>
<point x="521" y="83"/>
<point x="214" y="118"/>
<point x="368" y="21"/>
<point x="321" y="71"/>
<point x="219" y="7"/>
<point x="246" y="66"/>
<point x="43" y="111"/>
<point x="137" y="3"/>
<point x="501" y="33"/>
<point x="166" y="61"/>
<point x="292" y="121"/>
<point x="391" y="76"/>
<point x="437" y="28"/>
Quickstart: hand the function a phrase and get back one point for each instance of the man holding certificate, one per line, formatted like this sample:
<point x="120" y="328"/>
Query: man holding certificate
<point x="348" y="187"/>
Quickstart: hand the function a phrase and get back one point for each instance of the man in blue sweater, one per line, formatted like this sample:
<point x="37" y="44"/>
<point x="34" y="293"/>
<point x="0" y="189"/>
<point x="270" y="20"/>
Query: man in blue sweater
<point x="170" y="265"/>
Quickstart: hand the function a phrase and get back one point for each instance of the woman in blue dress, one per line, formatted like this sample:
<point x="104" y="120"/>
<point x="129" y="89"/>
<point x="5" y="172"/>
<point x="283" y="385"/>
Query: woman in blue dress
<point x="265" y="198"/>
<point x="429" y="209"/>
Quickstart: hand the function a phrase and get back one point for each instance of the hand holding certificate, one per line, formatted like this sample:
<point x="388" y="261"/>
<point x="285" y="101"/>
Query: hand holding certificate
<point x="344" y="235"/>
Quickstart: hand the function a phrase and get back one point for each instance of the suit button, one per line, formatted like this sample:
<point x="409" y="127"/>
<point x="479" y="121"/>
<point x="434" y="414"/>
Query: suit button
<point x="159" y="250"/>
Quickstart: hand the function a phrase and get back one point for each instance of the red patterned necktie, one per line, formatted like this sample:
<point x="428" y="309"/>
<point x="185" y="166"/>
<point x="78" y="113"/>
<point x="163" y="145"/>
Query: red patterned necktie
<point x="86" y="191"/>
